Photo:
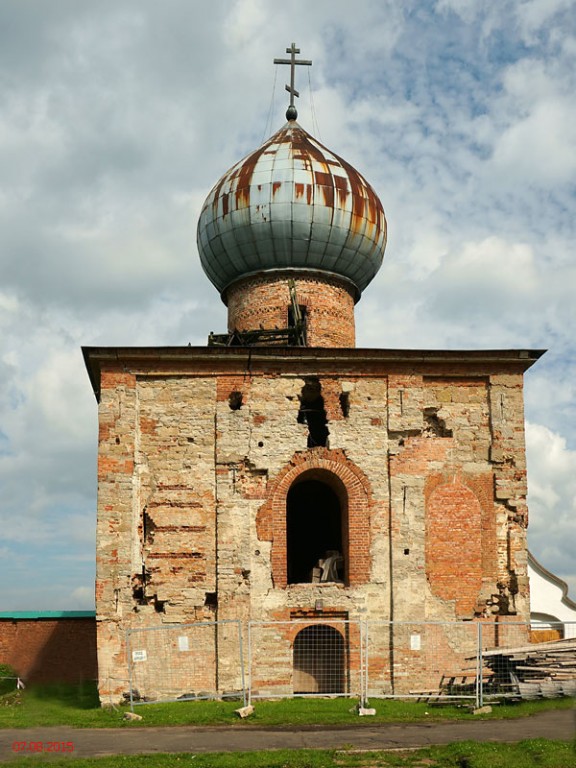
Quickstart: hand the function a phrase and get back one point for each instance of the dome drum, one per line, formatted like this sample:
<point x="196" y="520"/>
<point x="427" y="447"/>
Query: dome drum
<point x="326" y="302"/>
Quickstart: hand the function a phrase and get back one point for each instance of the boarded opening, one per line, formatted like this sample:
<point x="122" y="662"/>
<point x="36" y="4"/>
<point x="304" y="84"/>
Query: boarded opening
<point x="314" y="533"/>
<point x="319" y="659"/>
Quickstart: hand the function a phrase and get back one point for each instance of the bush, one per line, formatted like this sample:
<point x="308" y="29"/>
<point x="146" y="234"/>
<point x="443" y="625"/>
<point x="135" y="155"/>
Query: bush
<point x="7" y="679"/>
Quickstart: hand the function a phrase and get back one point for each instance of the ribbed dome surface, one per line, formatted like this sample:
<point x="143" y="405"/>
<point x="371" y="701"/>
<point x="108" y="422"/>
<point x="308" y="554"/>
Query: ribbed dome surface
<point x="291" y="204"/>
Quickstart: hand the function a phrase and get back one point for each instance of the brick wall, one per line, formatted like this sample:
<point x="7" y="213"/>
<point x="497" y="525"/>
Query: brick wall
<point x="44" y="650"/>
<point x="332" y="467"/>
<point x="200" y="448"/>
<point x="263" y="302"/>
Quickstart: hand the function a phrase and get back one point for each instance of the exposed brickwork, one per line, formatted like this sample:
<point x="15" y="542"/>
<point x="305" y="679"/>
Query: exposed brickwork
<point x="454" y="546"/>
<point x="61" y="650"/>
<point x="226" y="385"/>
<point x="199" y="449"/>
<point x="353" y="488"/>
<point x="263" y="302"/>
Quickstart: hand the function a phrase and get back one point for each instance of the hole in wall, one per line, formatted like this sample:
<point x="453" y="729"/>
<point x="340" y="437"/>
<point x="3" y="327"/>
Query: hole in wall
<point x="345" y="404"/>
<point x="434" y="425"/>
<point x="148" y="528"/>
<point x="139" y="588"/>
<point x="313" y="413"/>
<point x="235" y="400"/>
<point x="138" y="594"/>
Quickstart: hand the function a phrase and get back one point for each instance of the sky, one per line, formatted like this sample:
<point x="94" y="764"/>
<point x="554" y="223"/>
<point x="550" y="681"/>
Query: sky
<point x="118" y="116"/>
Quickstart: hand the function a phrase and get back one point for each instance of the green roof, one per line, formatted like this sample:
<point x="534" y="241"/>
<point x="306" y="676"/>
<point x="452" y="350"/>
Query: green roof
<point x="47" y="614"/>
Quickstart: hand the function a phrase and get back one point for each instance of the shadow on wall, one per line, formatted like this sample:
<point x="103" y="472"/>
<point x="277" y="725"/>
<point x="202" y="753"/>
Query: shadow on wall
<point x="50" y="648"/>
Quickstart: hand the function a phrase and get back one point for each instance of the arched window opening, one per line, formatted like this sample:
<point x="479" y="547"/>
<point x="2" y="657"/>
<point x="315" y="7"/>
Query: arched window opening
<point x="319" y="660"/>
<point x="314" y="533"/>
<point x="313" y="413"/>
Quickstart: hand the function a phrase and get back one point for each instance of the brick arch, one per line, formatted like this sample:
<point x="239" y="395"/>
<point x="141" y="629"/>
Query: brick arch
<point x="352" y="486"/>
<point x="319" y="659"/>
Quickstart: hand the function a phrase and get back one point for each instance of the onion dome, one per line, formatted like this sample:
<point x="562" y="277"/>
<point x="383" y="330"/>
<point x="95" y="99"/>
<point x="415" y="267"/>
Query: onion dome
<point x="292" y="205"/>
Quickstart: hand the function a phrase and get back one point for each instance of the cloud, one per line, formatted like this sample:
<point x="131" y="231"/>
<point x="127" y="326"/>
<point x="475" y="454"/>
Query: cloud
<point x="537" y="142"/>
<point x="82" y="598"/>
<point x="117" y="118"/>
<point x="534" y="16"/>
<point x="552" y="500"/>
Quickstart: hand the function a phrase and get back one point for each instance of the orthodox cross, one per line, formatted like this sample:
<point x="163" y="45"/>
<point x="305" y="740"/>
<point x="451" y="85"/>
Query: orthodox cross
<point x="291" y="113"/>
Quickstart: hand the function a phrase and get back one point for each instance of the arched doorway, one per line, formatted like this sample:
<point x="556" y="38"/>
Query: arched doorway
<point x="319" y="660"/>
<point x="354" y="494"/>
<point x="314" y="533"/>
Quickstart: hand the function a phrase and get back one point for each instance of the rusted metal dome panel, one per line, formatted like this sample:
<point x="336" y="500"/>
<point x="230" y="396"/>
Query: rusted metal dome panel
<point x="292" y="204"/>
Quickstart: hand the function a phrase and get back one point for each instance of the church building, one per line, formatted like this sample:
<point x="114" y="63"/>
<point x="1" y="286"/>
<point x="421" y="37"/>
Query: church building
<point x="282" y="474"/>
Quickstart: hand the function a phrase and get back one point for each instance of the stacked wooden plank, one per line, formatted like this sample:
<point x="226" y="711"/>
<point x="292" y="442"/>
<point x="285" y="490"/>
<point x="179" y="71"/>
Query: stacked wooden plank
<point x="545" y="670"/>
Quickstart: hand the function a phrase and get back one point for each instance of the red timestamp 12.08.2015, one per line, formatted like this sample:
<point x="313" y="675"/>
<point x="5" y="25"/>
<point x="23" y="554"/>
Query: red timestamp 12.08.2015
<point x="42" y="746"/>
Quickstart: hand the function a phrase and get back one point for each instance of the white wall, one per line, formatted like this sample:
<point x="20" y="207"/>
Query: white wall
<point x="548" y="598"/>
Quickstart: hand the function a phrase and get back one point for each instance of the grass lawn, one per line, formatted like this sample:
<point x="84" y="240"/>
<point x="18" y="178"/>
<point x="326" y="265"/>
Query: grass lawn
<point x="78" y="706"/>
<point x="537" y="753"/>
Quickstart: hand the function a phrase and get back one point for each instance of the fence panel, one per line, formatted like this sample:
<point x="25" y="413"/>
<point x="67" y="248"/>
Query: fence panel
<point x="183" y="662"/>
<point x="422" y="660"/>
<point x="305" y="658"/>
<point x="336" y="657"/>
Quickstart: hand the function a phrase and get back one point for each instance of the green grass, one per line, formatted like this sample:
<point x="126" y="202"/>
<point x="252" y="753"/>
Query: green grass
<point x="78" y="706"/>
<point x="538" y="753"/>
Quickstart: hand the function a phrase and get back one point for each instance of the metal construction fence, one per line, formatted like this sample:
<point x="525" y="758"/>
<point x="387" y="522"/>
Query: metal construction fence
<point x="432" y="661"/>
<point x="415" y="659"/>
<point x="182" y="662"/>
<point x="305" y="658"/>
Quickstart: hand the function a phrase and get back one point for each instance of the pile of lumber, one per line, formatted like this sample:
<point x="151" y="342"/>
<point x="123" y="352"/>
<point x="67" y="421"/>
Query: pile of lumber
<point x="534" y="671"/>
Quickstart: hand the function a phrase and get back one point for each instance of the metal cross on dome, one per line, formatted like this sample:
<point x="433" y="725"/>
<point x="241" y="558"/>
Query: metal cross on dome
<point x="291" y="113"/>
